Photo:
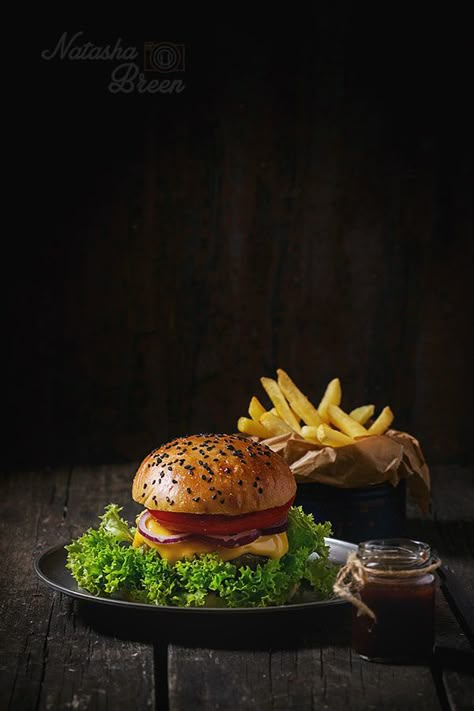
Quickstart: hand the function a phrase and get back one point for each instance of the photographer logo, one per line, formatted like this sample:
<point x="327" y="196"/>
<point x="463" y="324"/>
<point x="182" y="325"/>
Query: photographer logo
<point x="126" y="77"/>
<point x="163" y="57"/>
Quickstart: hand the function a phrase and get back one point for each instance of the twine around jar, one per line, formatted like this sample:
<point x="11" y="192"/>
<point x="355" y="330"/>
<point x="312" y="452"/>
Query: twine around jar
<point x="353" y="576"/>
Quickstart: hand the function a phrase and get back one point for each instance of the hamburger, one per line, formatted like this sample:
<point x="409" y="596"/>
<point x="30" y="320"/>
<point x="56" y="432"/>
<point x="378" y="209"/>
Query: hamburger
<point x="221" y="494"/>
<point x="217" y="528"/>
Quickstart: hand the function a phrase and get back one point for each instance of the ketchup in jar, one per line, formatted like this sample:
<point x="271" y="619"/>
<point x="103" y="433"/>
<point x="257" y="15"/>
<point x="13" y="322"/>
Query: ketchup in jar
<point x="399" y="588"/>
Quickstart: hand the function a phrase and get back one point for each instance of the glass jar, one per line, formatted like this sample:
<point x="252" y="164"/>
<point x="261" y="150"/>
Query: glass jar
<point x="399" y="588"/>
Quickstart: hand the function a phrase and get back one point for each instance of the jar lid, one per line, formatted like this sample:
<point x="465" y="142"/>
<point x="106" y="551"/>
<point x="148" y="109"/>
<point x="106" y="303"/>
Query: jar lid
<point x="394" y="554"/>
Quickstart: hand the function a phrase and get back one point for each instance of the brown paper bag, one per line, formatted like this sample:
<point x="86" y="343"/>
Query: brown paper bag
<point x="371" y="460"/>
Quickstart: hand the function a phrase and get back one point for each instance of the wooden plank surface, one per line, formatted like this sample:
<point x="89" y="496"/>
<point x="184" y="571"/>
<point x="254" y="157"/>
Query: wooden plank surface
<point x="331" y="676"/>
<point x="50" y="659"/>
<point x="453" y="514"/>
<point x="450" y="530"/>
<point x="55" y="655"/>
<point x="280" y="680"/>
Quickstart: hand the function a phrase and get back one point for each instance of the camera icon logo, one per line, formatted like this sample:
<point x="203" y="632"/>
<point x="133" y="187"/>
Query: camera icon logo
<point x="163" y="57"/>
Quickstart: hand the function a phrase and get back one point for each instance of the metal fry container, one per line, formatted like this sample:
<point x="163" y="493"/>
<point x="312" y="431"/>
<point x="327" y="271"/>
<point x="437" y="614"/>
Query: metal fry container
<point x="357" y="514"/>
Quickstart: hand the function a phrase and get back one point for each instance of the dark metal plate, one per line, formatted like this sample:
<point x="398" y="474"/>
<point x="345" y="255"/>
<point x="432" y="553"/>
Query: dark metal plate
<point x="51" y="569"/>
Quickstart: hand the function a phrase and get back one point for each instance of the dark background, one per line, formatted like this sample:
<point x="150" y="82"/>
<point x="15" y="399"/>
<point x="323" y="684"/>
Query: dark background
<point x="304" y="203"/>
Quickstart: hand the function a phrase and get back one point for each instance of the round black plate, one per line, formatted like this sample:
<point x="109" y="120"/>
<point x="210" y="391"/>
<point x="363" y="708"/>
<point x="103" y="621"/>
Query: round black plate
<point x="51" y="569"/>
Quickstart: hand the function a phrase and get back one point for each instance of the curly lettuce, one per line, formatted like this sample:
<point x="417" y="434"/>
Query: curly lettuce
<point x="103" y="562"/>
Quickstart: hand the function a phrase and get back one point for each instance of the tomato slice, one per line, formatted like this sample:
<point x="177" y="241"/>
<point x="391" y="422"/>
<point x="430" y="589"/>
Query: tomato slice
<point x="218" y="523"/>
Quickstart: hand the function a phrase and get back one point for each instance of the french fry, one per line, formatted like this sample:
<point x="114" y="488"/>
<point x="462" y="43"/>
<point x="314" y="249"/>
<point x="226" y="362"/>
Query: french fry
<point x="292" y="412"/>
<point x="345" y="423"/>
<point x="274" y="424"/>
<point x="362" y="414"/>
<point x="251" y="427"/>
<point x="310" y="433"/>
<point x="297" y="417"/>
<point x="282" y="407"/>
<point x="332" y="396"/>
<point x="275" y="412"/>
<point x="382" y="423"/>
<point x="298" y="401"/>
<point x="256" y="409"/>
<point x="332" y="438"/>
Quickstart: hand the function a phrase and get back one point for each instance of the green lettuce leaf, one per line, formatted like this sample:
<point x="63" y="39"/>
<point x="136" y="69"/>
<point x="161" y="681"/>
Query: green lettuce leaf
<point x="103" y="562"/>
<point x="114" y="526"/>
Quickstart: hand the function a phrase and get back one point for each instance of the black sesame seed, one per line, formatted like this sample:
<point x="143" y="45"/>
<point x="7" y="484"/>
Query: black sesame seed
<point x="219" y="492"/>
<point x="145" y="486"/>
<point x="260" y="490"/>
<point x="188" y="490"/>
<point x="222" y="501"/>
<point x="174" y="481"/>
<point x="227" y="470"/>
<point x="196" y="498"/>
<point x="214" y="497"/>
<point x="167" y="499"/>
<point x="239" y="482"/>
<point x="212" y="488"/>
<point x="204" y="477"/>
<point x="171" y="503"/>
<point x="154" y="480"/>
<point x="255" y="484"/>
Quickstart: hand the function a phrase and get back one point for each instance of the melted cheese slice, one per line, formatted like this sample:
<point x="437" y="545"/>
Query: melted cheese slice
<point x="274" y="546"/>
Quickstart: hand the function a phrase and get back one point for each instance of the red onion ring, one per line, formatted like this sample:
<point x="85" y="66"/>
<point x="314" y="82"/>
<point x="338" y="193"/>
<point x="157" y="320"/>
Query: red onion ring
<point x="238" y="539"/>
<point x="232" y="541"/>
<point x="142" y="527"/>
<point x="241" y="539"/>
<point x="276" y="528"/>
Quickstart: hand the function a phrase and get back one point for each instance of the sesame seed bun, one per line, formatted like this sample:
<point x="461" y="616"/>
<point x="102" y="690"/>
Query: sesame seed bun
<point x="213" y="474"/>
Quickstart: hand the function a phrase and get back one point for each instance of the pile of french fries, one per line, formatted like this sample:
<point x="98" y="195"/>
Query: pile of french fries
<point x="326" y="425"/>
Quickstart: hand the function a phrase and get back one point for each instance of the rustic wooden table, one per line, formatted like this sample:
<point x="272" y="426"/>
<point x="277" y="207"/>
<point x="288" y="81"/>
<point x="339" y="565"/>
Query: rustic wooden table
<point x="58" y="653"/>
